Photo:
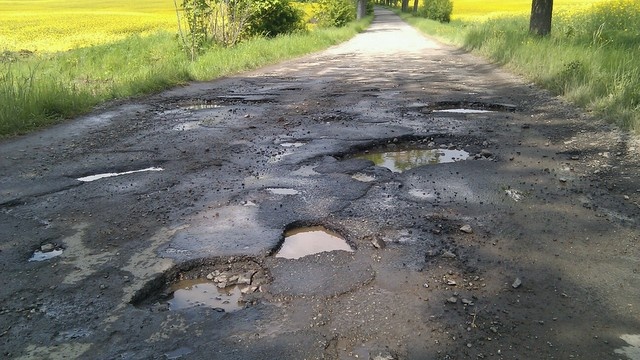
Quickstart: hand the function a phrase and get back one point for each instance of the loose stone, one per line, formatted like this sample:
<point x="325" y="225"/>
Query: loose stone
<point x="448" y="255"/>
<point x="378" y="243"/>
<point x="516" y="283"/>
<point x="466" y="229"/>
<point x="47" y="247"/>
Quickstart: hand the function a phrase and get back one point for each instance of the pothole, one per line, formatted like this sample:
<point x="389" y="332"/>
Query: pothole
<point x="303" y="241"/>
<point x="108" y="175"/>
<point x="402" y="160"/>
<point x="408" y="152"/>
<point x="46" y="252"/>
<point x="225" y="285"/>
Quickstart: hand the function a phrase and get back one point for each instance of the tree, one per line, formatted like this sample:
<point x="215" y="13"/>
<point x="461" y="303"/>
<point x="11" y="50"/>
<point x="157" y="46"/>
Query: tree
<point x="405" y="5"/>
<point x="361" y="10"/>
<point x="541" y="11"/>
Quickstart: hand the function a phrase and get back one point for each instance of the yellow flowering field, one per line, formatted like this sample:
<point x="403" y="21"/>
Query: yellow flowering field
<point x="478" y="9"/>
<point x="59" y="25"/>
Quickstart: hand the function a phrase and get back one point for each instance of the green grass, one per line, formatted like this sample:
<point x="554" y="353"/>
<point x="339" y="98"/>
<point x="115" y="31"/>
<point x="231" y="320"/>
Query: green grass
<point x="41" y="90"/>
<point x="592" y="57"/>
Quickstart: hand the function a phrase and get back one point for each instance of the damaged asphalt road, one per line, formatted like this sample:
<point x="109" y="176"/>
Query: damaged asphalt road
<point x="525" y="246"/>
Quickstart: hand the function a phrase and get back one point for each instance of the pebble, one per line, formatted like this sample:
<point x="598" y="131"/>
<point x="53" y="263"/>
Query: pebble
<point x="486" y="153"/>
<point x="452" y="300"/>
<point x="378" y="243"/>
<point x="466" y="229"/>
<point x="47" y="247"/>
<point x="467" y="302"/>
<point x="451" y="282"/>
<point x="448" y="255"/>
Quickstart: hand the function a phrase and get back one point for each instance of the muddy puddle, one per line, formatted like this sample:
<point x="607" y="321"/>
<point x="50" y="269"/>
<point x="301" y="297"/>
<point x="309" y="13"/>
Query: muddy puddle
<point x="187" y="294"/>
<point x="403" y="160"/>
<point x="108" y="175"/>
<point x="310" y="240"/>
<point x="221" y="284"/>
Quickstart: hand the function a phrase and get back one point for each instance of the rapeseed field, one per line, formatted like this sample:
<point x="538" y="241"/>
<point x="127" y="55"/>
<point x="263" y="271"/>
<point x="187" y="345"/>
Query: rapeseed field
<point x="60" y="25"/>
<point x="471" y="10"/>
<point x="46" y="26"/>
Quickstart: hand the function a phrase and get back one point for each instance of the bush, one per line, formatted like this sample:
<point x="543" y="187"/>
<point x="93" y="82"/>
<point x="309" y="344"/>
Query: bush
<point x="336" y="12"/>
<point x="273" y="17"/>
<point x="439" y="10"/>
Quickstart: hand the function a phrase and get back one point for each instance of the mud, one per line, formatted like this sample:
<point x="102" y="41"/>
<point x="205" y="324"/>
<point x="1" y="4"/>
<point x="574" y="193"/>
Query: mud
<point x="549" y="196"/>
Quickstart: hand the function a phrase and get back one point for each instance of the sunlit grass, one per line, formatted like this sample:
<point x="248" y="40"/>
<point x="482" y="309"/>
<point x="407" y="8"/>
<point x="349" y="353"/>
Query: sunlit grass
<point x="592" y="57"/>
<point x="44" y="89"/>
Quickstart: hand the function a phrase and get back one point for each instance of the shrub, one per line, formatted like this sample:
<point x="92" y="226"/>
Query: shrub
<point x="336" y="12"/>
<point x="273" y="17"/>
<point x="439" y="10"/>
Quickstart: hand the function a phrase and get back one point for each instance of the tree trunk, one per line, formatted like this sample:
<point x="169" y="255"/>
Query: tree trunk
<point x="362" y="9"/>
<point x="405" y="5"/>
<point x="540" y="23"/>
<point x="415" y="6"/>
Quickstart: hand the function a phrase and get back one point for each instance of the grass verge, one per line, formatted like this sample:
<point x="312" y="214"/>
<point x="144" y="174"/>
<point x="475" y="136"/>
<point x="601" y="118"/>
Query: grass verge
<point x="43" y="90"/>
<point x="592" y="57"/>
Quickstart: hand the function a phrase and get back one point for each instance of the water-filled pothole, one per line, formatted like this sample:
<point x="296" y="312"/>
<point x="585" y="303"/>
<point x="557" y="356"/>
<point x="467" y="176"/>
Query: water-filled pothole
<point x="222" y="284"/>
<point x="292" y="144"/>
<point x="464" y="111"/>
<point x="303" y="241"/>
<point x="203" y="292"/>
<point x="283" y="191"/>
<point x="469" y="107"/>
<point x="108" y="175"/>
<point x="402" y="160"/>
<point x="202" y="106"/>
<point x="46" y="252"/>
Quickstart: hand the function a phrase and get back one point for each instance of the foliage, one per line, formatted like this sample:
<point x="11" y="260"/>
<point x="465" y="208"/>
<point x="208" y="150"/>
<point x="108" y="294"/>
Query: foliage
<point x="438" y="10"/>
<point x="203" y="22"/>
<point x="274" y="17"/>
<point x="336" y="12"/>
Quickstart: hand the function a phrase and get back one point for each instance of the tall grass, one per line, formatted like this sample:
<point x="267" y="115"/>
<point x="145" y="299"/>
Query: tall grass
<point x="592" y="57"/>
<point x="42" y="90"/>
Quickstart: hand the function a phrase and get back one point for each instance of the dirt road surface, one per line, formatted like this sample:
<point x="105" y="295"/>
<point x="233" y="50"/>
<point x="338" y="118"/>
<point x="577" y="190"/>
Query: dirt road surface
<point x="525" y="247"/>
